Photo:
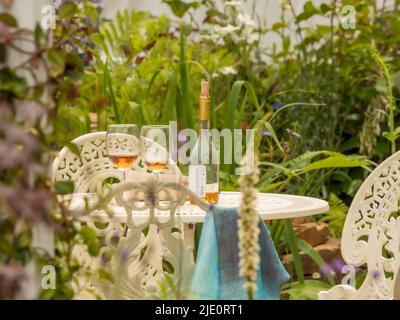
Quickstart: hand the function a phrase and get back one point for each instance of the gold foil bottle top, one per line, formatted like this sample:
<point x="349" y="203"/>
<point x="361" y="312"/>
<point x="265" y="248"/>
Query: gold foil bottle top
<point x="205" y="100"/>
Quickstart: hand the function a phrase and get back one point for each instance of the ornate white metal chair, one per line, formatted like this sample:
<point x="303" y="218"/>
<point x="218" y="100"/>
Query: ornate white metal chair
<point x="131" y="266"/>
<point x="371" y="235"/>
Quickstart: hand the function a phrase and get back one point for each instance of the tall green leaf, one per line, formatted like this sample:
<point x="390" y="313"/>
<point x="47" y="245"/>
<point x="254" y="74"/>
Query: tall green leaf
<point x="292" y="241"/>
<point x="110" y="92"/>
<point x="135" y="113"/>
<point x="234" y="111"/>
<point x="187" y="116"/>
<point x="169" y="111"/>
<point x="337" y="161"/>
<point x="233" y="106"/>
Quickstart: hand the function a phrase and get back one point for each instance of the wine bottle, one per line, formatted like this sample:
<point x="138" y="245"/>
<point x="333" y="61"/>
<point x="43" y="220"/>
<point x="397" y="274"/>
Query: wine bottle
<point x="204" y="165"/>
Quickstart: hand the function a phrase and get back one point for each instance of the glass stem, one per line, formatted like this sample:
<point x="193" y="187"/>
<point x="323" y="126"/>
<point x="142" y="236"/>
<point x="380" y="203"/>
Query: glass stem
<point x="125" y="230"/>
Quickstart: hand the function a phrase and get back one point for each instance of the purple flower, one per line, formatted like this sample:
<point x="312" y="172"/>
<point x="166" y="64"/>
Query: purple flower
<point x="29" y="112"/>
<point x="277" y="105"/>
<point x="124" y="254"/>
<point x="327" y="270"/>
<point x="338" y="265"/>
<point x="116" y="233"/>
<point x="376" y="274"/>
<point x="267" y="133"/>
<point x="11" y="277"/>
<point x="30" y="204"/>
<point x="18" y="147"/>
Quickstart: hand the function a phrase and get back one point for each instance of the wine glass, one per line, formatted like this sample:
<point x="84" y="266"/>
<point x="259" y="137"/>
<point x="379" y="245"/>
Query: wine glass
<point x="154" y="147"/>
<point x="122" y="146"/>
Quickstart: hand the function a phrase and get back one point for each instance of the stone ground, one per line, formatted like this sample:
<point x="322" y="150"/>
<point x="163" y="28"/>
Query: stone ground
<point x="317" y="235"/>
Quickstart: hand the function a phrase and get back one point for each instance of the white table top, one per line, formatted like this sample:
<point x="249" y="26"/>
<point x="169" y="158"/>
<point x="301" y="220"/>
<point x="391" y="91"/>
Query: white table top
<point x="270" y="206"/>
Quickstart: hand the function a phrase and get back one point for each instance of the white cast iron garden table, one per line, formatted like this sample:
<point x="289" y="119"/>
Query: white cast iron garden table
<point x="270" y="206"/>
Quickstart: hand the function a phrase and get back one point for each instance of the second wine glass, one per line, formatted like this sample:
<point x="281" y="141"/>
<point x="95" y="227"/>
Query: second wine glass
<point x="154" y="147"/>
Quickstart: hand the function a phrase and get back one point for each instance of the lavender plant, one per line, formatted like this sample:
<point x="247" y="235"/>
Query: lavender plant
<point x="29" y="130"/>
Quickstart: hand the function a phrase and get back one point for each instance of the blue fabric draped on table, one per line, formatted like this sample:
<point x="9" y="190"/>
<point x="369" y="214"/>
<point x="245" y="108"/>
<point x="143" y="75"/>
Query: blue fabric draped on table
<point x="216" y="273"/>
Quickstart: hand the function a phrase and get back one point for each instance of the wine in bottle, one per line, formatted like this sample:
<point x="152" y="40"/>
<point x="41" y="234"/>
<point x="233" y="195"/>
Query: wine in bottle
<point x="204" y="167"/>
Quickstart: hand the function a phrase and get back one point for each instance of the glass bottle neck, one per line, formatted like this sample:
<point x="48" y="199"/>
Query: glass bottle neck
<point x="204" y="124"/>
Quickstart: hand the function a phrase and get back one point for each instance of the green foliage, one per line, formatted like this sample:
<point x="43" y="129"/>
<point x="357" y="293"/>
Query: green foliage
<point x="8" y="19"/>
<point x="309" y="10"/>
<point x="301" y="172"/>
<point x="184" y="112"/>
<point x="291" y="241"/>
<point x="393" y="133"/>
<point x="56" y="60"/>
<point x="303" y="291"/>
<point x="143" y="76"/>
<point x="336" y="216"/>
<point x="64" y="187"/>
<point x="179" y="8"/>
<point x="89" y="236"/>
<point x="234" y="113"/>
<point x="109" y="91"/>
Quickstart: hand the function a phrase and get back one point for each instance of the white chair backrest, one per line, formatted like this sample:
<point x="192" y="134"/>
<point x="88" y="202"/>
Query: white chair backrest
<point x="371" y="234"/>
<point x="92" y="167"/>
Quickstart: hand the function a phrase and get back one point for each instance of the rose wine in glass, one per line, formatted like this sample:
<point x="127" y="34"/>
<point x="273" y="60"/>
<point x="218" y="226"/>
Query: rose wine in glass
<point x="154" y="147"/>
<point x="156" y="166"/>
<point x="123" y="161"/>
<point x="122" y="145"/>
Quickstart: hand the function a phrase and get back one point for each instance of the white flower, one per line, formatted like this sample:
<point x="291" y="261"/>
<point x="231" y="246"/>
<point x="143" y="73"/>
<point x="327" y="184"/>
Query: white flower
<point x="287" y="10"/>
<point x="236" y="38"/>
<point x="232" y="3"/>
<point x="117" y="58"/>
<point x="212" y="37"/>
<point x="245" y="19"/>
<point x="226" y="30"/>
<point x="228" y="70"/>
<point x="103" y="57"/>
<point x="253" y="37"/>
